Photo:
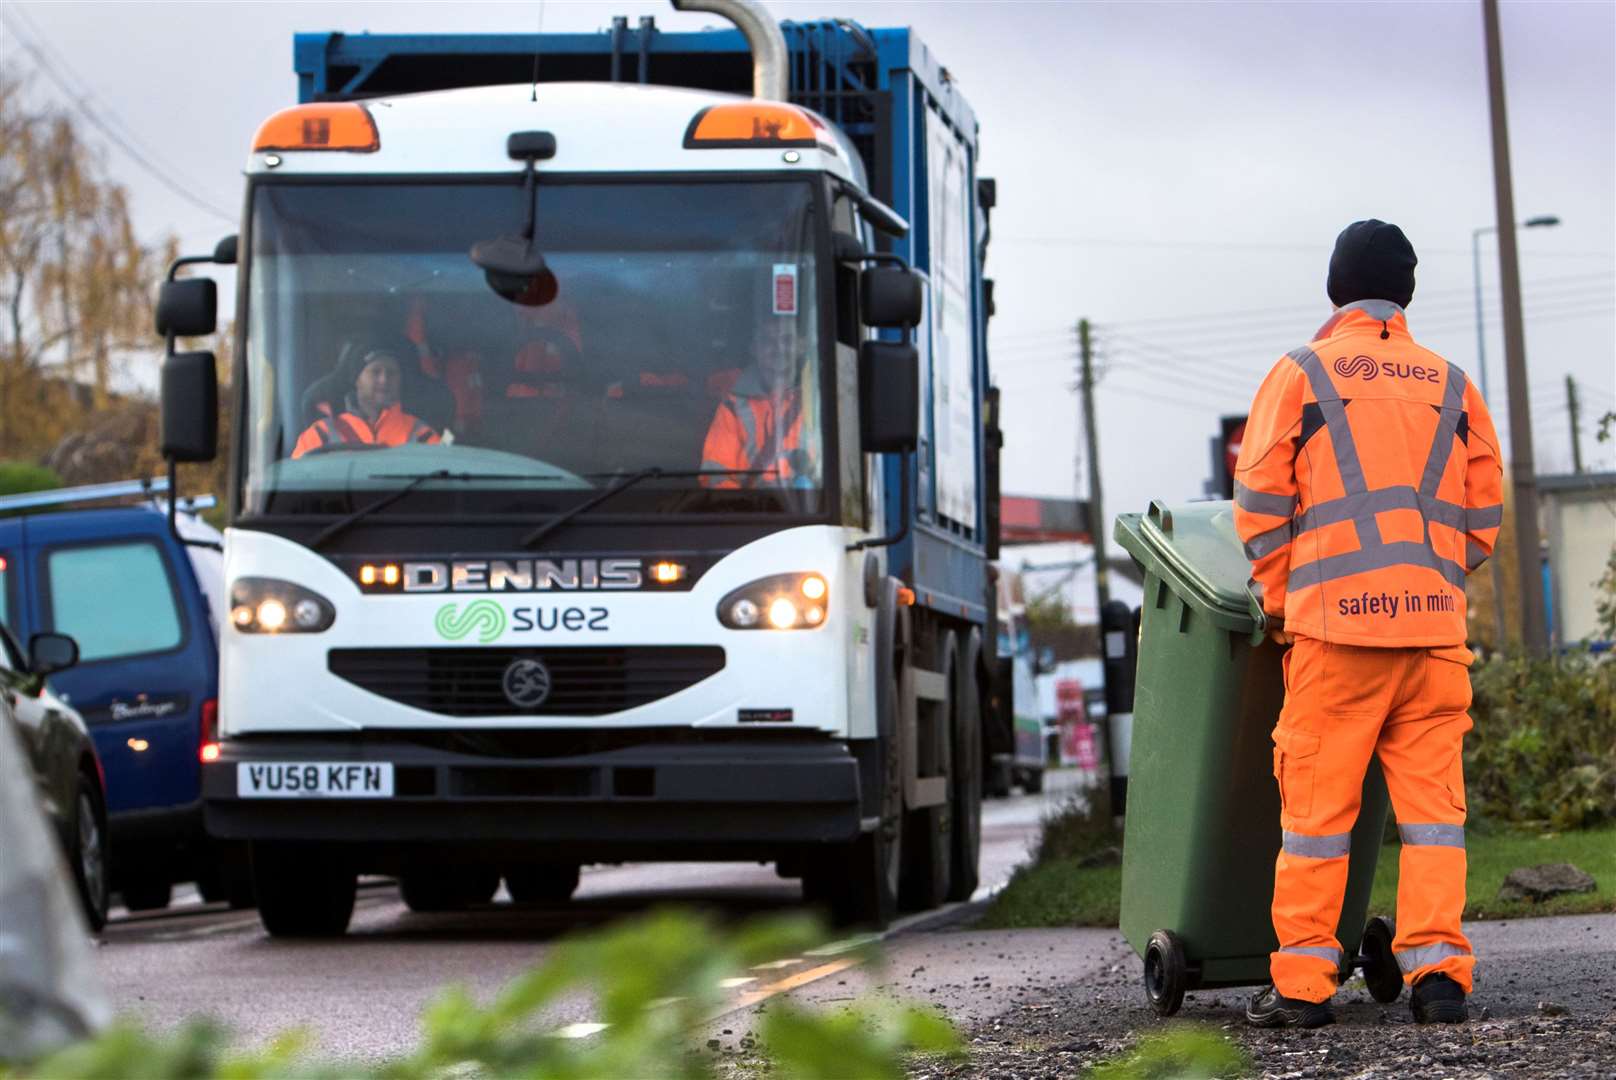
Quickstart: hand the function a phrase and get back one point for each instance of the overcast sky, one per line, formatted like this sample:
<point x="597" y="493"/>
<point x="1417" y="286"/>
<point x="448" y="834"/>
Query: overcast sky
<point x="1176" y="173"/>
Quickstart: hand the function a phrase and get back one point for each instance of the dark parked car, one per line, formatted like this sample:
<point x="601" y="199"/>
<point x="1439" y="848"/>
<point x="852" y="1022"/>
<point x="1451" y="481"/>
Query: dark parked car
<point x="62" y="757"/>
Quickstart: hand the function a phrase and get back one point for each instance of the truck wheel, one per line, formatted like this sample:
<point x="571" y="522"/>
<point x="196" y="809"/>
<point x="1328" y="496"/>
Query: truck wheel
<point x="437" y="888"/>
<point x="89" y="857"/>
<point x="928" y="840"/>
<point x="146" y="893"/>
<point x="546" y="883"/>
<point x="998" y="779"/>
<point x="863" y="884"/>
<point x="1032" y="781"/>
<point x="966" y="840"/>
<point x="301" y="891"/>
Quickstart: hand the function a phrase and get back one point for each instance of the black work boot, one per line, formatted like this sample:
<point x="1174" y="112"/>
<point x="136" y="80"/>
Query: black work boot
<point x="1271" y="1009"/>
<point x="1437" y="999"/>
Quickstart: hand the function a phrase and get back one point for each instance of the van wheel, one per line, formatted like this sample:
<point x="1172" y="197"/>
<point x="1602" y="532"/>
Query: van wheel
<point x="543" y="883"/>
<point x="439" y="888"/>
<point x="302" y="891"/>
<point x="89" y="857"/>
<point x="146" y="893"/>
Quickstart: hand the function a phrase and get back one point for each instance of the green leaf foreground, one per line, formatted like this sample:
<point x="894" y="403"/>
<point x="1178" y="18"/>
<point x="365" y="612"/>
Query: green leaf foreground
<point x="654" y="982"/>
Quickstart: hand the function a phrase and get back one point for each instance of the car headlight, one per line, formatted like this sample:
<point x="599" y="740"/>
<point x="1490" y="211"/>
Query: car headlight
<point x="777" y="602"/>
<point x="270" y="606"/>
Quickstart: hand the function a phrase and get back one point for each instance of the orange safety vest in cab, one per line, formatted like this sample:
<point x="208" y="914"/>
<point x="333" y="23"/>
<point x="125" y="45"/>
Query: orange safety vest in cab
<point x="755" y="431"/>
<point x="393" y="427"/>
<point x="1368" y="485"/>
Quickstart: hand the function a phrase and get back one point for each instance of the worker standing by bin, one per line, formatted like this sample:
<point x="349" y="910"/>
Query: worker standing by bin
<point x="1368" y="485"/>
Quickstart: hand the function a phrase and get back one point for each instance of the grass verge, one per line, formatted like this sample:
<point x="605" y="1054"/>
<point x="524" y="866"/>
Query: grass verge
<point x="1060" y="890"/>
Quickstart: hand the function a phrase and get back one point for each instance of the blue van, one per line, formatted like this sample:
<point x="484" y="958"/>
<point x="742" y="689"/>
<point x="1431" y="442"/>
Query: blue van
<point x="145" y="609"/>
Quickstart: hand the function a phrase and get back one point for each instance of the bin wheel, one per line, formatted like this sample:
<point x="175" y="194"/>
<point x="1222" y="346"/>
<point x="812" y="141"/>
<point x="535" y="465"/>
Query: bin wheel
<point x="1166" y="972"/>
<point x="1381" y="973"/>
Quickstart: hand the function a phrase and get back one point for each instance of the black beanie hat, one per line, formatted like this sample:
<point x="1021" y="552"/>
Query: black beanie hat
<point x="356" y="354"/>
<point x="1372" y="261"/>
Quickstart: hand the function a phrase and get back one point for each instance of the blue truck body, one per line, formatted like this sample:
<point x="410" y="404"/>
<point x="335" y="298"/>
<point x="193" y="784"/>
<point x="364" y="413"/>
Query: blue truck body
<point x="142" y="610"/>
<point x="886" y="91"/>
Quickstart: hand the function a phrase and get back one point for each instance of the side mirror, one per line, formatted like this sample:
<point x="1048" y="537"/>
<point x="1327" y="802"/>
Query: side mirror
<point x="50" y="653"/>
<point x="889" y="296"/>
<point x="224" y="252"/>
<point x="889" y="397"/>
<point x="188" y="308"/>
<point x="190" y="407"/>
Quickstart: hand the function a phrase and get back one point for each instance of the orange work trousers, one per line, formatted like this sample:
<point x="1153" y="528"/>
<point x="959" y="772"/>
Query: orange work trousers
<point x="1342" y="704"/>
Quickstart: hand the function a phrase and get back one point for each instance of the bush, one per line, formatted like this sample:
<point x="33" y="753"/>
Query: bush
<point x="655" y="983"/>
<point x="17" y="477"/>
<point x="1544" y="746"/>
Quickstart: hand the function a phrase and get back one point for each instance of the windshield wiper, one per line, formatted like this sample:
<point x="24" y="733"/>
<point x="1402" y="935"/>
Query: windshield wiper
<point x="415" y="481"/>
<point x="623" y="485"/>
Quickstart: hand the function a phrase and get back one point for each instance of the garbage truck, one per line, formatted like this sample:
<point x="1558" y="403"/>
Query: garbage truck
<point x="613" y="471"/>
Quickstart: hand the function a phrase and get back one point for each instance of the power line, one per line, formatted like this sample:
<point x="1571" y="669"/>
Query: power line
<point x="77" y="100"/>
<point x="1228" y="245"/>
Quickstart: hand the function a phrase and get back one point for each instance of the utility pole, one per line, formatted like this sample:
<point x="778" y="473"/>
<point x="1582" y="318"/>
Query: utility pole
<point x="1576" y="424"/>
<point x="1534" y="622"/>
<point x="1096" y="522"/>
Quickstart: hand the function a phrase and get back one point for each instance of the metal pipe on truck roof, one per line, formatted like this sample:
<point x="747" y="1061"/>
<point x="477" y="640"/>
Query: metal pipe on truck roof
<point x="770" y="79"/>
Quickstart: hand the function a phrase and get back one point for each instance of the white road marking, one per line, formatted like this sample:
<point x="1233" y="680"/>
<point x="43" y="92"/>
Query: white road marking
<point x="580" y="1030"/>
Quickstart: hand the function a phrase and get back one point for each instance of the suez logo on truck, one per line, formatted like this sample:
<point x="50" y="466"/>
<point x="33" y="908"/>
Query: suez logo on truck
<point x="486" y="620"/>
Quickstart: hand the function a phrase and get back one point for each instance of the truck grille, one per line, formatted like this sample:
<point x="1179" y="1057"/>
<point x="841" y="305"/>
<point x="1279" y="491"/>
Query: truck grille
<point x="584" y="681"/>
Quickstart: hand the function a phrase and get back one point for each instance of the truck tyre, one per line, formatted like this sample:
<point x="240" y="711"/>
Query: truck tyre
<point x="443" y="888"/>
<point x="928" y="841"/>
<point x="147" y="892"/>
<point x="302" y="892"/>
<point x="998" y="779"/>
<point x="88" y="856"/>
<point x="1032" y="781"/>
<point x="966" y="837"/>
<point x="543" y="883"/>
<point x="866" y="893"/>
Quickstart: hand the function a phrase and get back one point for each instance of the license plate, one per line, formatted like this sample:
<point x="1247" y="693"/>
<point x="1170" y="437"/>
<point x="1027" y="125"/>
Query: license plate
<point x="314" y="780"/>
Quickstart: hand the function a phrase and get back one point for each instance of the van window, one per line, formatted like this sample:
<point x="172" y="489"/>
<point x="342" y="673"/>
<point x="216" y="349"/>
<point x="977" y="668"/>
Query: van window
<point x="115" y="599"/>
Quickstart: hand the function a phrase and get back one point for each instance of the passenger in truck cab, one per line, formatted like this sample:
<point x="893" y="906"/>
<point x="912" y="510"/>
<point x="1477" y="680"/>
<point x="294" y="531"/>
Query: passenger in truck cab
<point x="369" y="379"/>
<point x="544" y="357"/>
<point x="757" y="429"/>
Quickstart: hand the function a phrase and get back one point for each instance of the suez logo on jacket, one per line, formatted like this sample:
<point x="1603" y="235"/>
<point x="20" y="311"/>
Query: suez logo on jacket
<point x="1369" y="368"/>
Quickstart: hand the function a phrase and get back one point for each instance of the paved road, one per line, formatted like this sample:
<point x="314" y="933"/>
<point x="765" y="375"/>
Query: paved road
<point x="361" y="995"/>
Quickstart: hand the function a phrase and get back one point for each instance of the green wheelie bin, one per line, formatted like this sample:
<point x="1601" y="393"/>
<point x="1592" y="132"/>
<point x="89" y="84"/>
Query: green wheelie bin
<point x="1202" y="829"/>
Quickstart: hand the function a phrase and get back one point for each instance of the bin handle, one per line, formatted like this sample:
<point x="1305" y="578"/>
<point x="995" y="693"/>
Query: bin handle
<point x="1258" y="615"/>
<point x="1162" y="516"/>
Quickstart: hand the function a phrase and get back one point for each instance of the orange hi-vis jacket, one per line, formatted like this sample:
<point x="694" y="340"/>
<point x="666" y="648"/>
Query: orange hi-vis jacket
<point x="1369" y="484"/>
<point x="754" y="431"/>
<point x="393" y="427"/>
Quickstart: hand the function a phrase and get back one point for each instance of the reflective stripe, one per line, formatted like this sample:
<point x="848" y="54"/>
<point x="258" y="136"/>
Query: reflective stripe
<point x="709" y="463"/>
<point x="743" y="412"/>
<point x="1411" y="960"/>
<point x="1475" y="555"/>
<point x="1447" y="425"/>
<point x="1348" y="507"/>
<point x="1402" y="553"/>
<point x="1261" y="502"/>
<point x="1264" y="544"/>
<point x="1346" y="450"/>
<point x="1323" y="952"/>
<point x="1484" y="517"/>
<point x="1432" y="835"/>
<point x="1335" y="846"/>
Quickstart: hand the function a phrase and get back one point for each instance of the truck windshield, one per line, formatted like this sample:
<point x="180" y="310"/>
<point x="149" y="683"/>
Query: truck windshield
<point x="680" y="334"/>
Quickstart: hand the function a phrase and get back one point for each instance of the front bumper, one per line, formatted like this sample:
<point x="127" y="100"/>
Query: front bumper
<point x="667" y="797"/>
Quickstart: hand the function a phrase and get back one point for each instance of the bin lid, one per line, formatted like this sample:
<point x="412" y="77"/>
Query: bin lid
<point x="1195" y="549"/>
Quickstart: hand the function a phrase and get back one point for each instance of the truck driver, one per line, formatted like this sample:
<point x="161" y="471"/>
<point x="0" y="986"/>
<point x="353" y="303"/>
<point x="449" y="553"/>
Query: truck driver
<point x="370" y="379"/>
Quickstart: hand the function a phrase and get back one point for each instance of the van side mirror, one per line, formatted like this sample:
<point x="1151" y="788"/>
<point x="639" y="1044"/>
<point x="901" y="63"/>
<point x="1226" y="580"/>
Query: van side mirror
<point x="890" y="296"/>
<point x="889" y="397"/>
<point x="224" y="252"/>
<point x="190" y="407"/>
<point x="188" y="308"/>
<point x="50" y="653"/>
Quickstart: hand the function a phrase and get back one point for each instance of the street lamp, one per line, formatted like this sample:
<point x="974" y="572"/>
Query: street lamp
<point x="1542" y="221"/>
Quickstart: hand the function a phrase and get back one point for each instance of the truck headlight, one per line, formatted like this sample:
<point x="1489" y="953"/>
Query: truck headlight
<point x="271" y="606"/>
<point x="778" y="602"/>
